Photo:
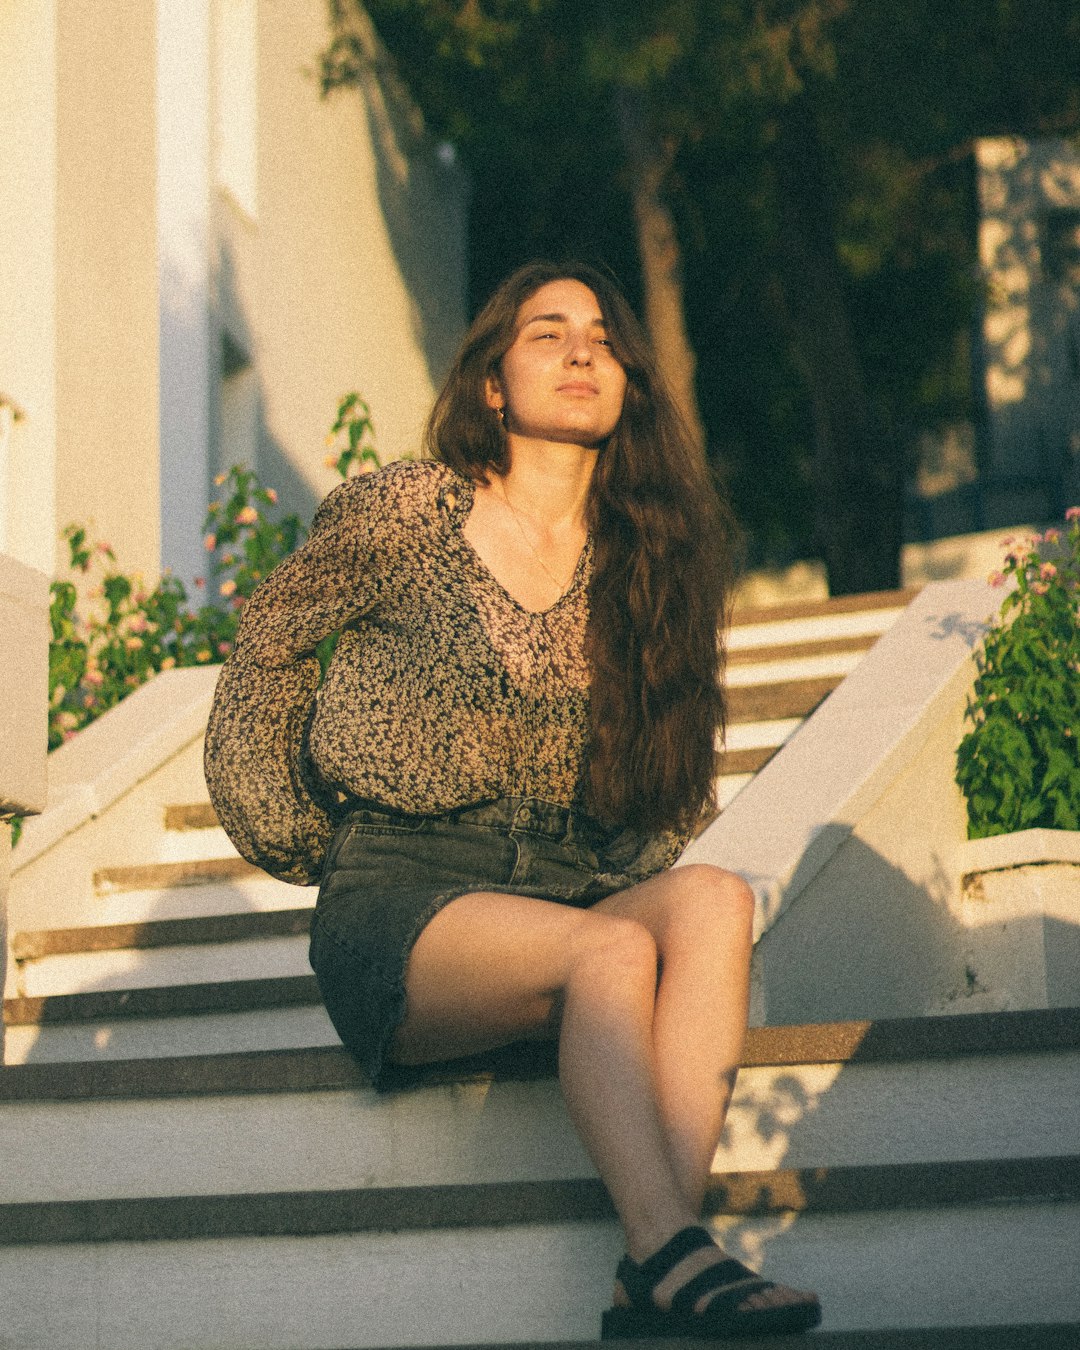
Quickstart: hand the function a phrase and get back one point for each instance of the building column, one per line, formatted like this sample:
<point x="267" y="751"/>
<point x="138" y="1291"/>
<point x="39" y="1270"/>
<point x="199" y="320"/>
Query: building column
<point x="187" y="354"/>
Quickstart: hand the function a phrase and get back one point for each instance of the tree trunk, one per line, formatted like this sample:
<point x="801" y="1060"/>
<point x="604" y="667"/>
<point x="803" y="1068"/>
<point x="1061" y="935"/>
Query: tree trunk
<point x="648" y="163"/>
<point x="858" y="472"/>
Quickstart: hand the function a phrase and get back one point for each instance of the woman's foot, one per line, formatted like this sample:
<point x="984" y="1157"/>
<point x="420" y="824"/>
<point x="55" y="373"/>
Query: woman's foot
<point x="692" y="1287"/>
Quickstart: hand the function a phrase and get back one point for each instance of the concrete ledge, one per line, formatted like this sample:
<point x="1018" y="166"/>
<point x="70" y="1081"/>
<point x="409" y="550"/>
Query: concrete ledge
<point x="510" y="1203"/>
<point x="789" y="821"/>
<point x="1022" y="849"/>
<point x="116" y="752"/>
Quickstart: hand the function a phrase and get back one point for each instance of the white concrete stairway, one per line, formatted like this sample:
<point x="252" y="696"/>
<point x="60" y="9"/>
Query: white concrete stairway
<point x="190" y="1159"/>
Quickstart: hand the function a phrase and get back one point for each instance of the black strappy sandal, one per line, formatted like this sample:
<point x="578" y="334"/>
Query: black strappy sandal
<point x="722" y="1318"/>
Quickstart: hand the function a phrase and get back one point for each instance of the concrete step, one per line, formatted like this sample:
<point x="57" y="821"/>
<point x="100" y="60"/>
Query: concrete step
<point x="219" y="894"/>
<point x="156" y="967"/>
<point x="168" y="1000"/>
<point x="367" y="1209"/>
<point x="873" y="612"/>
<point x="293" y="1026"/>
<point x="993" y="1087"/>
<point x="209" y="928"/>
<point x="800" y="666"/>
<point x="779" y="699"/>
<point x="531" y="1280"/>
<point x="765" y="652"/>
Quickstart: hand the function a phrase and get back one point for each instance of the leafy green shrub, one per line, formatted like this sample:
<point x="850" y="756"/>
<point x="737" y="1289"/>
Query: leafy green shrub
<point x="1019" y="765"/>
<point x="102" y="651"/>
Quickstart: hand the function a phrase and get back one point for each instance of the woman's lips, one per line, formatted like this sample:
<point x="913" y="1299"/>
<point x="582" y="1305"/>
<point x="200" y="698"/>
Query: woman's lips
<point x="578" y="387"/>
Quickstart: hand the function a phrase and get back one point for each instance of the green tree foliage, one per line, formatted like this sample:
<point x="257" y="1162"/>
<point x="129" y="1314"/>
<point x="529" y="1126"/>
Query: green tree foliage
<point x="815" y="158"/>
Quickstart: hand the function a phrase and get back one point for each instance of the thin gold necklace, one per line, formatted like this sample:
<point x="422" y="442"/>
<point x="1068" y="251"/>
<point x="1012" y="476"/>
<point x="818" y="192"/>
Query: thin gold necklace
<point x="563" y="586"/>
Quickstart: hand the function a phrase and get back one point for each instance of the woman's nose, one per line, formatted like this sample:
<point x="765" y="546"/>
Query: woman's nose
<point x="579" y="350"/>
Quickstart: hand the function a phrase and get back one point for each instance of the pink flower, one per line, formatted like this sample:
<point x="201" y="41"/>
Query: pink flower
<point x="133" y="643"/>
<point x="238" y="602"/>
<point x="996" y="578"/>
<point x="330" y="461"/>
<point x="1039" y="587"/>
<point x="105" y="548"/>
<point x="227" y="587"/>
<point x="200" y="582"/>
<point x="1073" y="513"/>
<point x="210" y="543"/>
<point x="224" y="648"/>
<point x="94" y="678"/>
<point x="1051" y="536"/>
<point x="1047" y="571"/>
<point x="138" y="623"/>
<point x="272" y="495"/>
<point x="247" y="515"/>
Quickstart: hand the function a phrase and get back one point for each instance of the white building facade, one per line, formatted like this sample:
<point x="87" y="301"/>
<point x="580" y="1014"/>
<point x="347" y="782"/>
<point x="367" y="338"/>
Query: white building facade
<point x="199" y="256"/>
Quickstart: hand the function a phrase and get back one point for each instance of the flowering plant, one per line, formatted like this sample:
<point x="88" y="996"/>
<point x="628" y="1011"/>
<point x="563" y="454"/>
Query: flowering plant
<point x="1019" y="765"/>
<point x="99" y="652"/>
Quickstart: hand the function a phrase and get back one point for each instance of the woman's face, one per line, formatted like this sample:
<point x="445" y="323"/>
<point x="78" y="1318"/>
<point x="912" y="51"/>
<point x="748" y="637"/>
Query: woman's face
<point x="559" y="380"/>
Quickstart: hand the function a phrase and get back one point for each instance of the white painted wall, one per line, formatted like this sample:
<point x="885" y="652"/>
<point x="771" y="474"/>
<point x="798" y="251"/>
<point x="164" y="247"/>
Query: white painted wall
<point x="188" y="351"/>
<point x="28" y="156"/>
<point x="24" y="664"/>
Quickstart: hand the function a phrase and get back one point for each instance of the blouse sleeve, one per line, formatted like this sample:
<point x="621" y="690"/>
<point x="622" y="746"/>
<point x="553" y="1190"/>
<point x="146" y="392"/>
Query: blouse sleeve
<point x="264" y="789"/>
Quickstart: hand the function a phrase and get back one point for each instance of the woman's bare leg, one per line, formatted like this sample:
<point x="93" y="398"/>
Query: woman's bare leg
<point x="701" y="919"/>
<point x="646" y="1068"/>
<point x="492" y="968"/>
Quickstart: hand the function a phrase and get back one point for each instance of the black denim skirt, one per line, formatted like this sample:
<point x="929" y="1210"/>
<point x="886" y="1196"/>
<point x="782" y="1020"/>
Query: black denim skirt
<point x="388" y="874"/>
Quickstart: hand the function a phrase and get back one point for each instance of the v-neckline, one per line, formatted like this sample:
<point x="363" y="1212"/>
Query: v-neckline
<point x="465" y="490"/>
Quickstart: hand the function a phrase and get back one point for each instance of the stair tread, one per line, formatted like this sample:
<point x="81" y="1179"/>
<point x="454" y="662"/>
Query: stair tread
<point x="886" y="1041"/>
<point x="812" y="609"/>
<point x="34" y="945"/>
<point x="166" y="1000"/>
<point x="912" y="1186"/>
<point x="787" y="651"/>
<point x="775" y="700"/>
<point x="1016" y="1336"/>
<point x="145" y="876"/>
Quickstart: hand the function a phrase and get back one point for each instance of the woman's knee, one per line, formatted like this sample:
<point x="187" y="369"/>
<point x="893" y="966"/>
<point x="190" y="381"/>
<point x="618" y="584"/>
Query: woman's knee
<point x="613" y="945"/>
<point x="705" y="899"/>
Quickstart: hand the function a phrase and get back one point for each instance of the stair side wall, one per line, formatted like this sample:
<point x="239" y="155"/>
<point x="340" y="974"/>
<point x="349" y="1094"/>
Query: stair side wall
<point x="55" y="889"/>
<point x="888" y="928"/>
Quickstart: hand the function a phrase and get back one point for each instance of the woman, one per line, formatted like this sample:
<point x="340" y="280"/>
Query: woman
<point x="511" y="744"/>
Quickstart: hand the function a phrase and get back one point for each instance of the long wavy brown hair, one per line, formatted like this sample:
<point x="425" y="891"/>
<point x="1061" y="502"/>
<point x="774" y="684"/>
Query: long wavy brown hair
<point x="661" y="581"/>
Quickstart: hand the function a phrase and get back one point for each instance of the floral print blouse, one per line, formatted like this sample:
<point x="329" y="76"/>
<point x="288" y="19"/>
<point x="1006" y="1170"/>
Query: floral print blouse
<point x="443" y="690"/>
